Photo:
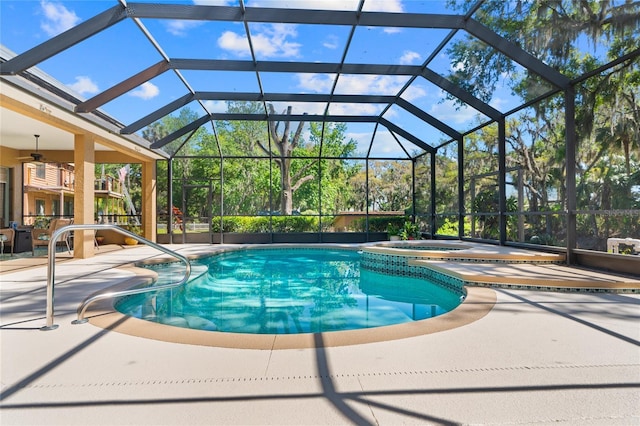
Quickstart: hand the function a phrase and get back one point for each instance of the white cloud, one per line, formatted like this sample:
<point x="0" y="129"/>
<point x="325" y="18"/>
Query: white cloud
<point x="358" y="84"/>
<point x="451" y="113"/>
<point x="457" y="67"/>
<point x="414" y="92"/>
<point x="315" y="83"/>
<point x="355" y="109"/>
<point x="389" y="6"/>
<point x="502" y="104"/>
<point x="215" y="106"/>
<point x="312" y="108"/>
<point x="146" y="91"/>
<point x="57" y="18"/>
<point x="363" y="139"/>
<point x="307" y="4"/>
<point x="409" y="57"/>
<point x="180" y="28"/>
<point x="234" y="43"/>
<point x="268" y="41"/>
<point x="84" y="85"/>
<point x="384" y="144"/>
<point x="383" y="6"/>
<point x="331" y="42"/>
<point x="369" y="5"/>
<point x="370" y="84"/>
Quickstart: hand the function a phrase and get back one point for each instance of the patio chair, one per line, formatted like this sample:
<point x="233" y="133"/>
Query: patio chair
<point x="6" y="239"/>
<point x="41" y="237"/>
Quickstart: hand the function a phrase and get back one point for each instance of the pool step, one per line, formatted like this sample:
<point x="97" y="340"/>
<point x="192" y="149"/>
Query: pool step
<point x="528" y="276"/>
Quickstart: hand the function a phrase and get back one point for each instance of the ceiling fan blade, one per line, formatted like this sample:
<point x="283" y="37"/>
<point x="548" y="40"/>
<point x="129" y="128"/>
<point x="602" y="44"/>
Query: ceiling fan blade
<point x="32" y="159"/>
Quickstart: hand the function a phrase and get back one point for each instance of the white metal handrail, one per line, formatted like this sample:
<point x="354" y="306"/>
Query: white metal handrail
<point x="85" y="304"/>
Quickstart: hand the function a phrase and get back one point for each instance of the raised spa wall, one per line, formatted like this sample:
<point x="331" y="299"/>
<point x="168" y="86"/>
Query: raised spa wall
<point x="395" y="260"/>
<point x="398" y="259"/>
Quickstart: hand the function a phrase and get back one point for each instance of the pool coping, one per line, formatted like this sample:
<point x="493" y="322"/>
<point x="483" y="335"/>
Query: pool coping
<point x="461" y="252"/>
<point x="530" y="276"/>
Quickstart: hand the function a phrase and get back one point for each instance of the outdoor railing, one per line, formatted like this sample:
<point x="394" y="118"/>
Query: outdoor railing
<point x="85" y="304"/>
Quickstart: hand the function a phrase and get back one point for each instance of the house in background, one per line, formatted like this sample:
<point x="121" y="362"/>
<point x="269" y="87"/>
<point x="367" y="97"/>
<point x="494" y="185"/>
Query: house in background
<point x="49" y="192"/>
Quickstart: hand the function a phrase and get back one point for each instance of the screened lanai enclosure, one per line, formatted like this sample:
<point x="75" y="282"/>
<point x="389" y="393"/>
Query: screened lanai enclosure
<point x="512" y="122"/>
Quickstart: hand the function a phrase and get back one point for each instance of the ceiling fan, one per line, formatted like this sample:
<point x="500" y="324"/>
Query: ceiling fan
<point x="35" y="157"/>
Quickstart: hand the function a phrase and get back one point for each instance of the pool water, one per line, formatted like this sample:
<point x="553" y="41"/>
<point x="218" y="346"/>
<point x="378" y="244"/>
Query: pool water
<point x="288" y="291"/>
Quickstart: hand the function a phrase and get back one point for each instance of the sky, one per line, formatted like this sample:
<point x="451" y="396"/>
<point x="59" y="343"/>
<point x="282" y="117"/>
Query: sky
<point x="122" y="51"/>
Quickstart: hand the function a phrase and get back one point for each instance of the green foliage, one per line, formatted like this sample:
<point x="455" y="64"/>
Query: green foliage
<point x="253" y="185"/>
<point x="410" y="231"/>
<point x="606" y="114"/>
<point x="447" y="179"/>
<point x="607" y="137"/>
<point x="295" y="224"/>
<point x="389" y="185"/>
<point x="449" y="227"/>
<point x="382" y="224"/>
<point x="133" y="181"/>
<point x="260" y="224"/>
<point x="136" y="229"/>
<point x="543" y="239"/>
<point x="393" y="229"/>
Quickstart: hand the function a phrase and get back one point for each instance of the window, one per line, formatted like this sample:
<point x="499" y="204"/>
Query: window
<point x="68" y="207"/>
<point x="5" y="199"/>
<point x="40" y="207"/>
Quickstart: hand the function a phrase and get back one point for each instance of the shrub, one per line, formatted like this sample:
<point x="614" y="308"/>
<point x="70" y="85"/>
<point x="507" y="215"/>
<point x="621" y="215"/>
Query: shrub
<point x="246" y="224"/>
<point x="410" y="231"/>
<point x="381" y="224"/>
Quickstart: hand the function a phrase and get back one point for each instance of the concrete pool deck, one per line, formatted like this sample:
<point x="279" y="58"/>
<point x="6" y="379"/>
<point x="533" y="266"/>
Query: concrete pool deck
<point x="534" y="358"/>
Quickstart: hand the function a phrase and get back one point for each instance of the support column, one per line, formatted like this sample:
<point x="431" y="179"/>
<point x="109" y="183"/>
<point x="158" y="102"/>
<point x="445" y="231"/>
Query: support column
<point x="472" y="193"/>
<point x="570" y="161"/>
<point x="149" y="218"/>
<point x="170" y="202"/>
<point x="222" y="200"/>
<point x="461" y="209"/>
<point x="366" y="190"/>
<point x="502" y="181"/>
<point x="432" y="207"/>
<point x="413" y="189"/>
<point x="84" y="210"/>
<point x="520" y="205"/>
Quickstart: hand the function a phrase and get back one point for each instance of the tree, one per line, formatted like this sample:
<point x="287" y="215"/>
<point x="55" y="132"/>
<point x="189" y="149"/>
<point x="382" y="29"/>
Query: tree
<point x="133" y="181"/>
<point x="186" y="166"/>
<point x="326" y="140"/>
<point x="280" y="147"/>
<point x="549" y="30"/>
<point x="390" y="185"/>
<point x="606" y="112"/>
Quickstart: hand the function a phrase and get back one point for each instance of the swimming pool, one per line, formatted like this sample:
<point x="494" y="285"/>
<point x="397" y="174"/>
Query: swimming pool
<point x="291" y="291"/>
